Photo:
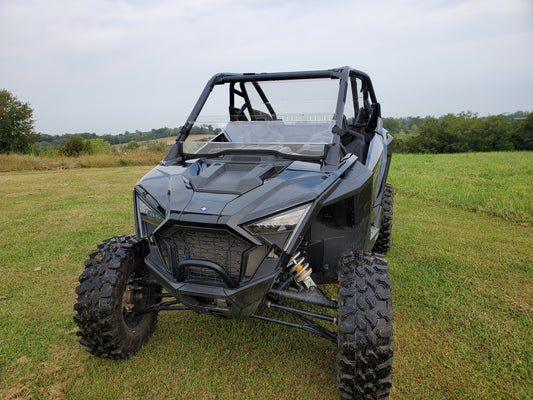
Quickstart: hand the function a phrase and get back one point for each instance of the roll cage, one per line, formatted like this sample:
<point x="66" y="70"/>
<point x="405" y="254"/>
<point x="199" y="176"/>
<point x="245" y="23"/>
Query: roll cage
<point x="366" y="109"/>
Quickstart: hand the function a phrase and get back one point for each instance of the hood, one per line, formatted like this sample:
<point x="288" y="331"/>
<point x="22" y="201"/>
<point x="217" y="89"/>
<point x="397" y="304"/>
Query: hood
<point x="234" y="188"/>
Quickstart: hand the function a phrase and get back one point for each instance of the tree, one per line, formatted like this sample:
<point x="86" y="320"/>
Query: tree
<point x="498" y="132"/>
<point x="392" y="125"/>
<point x="75" y="146"/>
<point x="132" y="145"/>
<point x="16" y="125"/>
<point x="522" y="135"/>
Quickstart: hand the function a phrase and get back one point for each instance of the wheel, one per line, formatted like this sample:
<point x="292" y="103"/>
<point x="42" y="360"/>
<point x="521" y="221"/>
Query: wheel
<point x="384" y="240"/>
<point x="112" y="294"/>
<point x="363" y="366"/>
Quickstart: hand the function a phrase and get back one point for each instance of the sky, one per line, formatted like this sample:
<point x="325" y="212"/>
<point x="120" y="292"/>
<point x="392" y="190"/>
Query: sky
<point x="110" y="66"/>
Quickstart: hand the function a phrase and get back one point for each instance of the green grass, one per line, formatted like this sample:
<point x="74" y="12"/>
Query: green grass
<point x="499" y="184"/>
<point x="461" y="268"/>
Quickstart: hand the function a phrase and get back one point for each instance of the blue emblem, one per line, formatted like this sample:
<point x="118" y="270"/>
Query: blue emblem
<point x="204" y="209"/>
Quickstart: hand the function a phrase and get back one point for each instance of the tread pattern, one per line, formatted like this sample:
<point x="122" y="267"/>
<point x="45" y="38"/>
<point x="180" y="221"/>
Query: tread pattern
<point x="103" y="328"/>
<point x="365" y="345"/>
<point x="384" y="240"/>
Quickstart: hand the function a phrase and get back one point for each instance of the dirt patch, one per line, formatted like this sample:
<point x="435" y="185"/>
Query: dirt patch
<point x="522" y="307"/>
<point x="19" y="392"/>
<point x="43" y="380"/>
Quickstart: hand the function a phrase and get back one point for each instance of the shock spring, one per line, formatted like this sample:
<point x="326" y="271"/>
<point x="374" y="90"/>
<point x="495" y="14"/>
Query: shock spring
<point x="299" y="267"/>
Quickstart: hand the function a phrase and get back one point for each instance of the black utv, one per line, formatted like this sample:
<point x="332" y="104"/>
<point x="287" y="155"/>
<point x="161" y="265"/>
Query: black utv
<point x="290" y="193"/>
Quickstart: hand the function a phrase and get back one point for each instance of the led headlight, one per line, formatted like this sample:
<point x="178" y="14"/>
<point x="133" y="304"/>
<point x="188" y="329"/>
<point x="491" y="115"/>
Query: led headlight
<point x="147" y="217"/>
<point x="280" y="223"/>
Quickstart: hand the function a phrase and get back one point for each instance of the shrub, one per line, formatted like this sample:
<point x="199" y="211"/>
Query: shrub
<point x="75" y="146"/>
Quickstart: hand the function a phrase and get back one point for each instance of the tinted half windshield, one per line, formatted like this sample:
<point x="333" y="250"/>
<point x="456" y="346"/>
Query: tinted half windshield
<point x="293" y="117"/>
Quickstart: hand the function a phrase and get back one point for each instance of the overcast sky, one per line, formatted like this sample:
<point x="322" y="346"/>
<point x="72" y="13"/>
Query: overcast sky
<point x="107" y="66"/>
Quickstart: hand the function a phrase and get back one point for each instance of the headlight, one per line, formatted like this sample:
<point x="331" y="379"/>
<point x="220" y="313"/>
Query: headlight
<point x="147" y="217"/>
<point x="280" y="223"/>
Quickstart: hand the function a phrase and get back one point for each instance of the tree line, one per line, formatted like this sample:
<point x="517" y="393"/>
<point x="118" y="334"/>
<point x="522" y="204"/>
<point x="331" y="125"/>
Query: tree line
<point x="17" y="133"/>
<point x="465" y="132"/>
<point x="47" y="143"/>
<point x="51" y="142"/>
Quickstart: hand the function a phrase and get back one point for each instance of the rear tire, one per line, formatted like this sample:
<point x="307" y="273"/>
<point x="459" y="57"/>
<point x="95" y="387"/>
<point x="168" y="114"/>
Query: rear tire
<point x="111" y="293"/>
<point x="384" y="240"/>
<point x="363" y="366"/>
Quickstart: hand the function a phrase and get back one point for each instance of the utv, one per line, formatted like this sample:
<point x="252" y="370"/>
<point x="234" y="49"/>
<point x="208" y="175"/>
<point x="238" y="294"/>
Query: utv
<point x="289" y="194"/>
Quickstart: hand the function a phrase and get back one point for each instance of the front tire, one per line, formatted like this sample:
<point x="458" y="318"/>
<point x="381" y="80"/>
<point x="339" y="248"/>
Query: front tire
<point x="363" y="366"/>
<point x="113" y="291"/>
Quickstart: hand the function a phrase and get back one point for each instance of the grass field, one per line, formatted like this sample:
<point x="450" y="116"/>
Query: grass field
<point x="461" y="268"/>
<point x="26" y="162"/>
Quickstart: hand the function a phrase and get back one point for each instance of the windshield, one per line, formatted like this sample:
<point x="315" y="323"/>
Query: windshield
<point x="291" y="117"/>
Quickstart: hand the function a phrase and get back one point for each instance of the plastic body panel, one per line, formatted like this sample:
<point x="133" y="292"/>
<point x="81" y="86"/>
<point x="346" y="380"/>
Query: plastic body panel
<point x="342" y="224"/>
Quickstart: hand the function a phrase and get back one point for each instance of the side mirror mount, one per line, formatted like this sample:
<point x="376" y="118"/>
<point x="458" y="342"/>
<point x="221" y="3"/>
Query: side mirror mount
<point x="174" y="155"/>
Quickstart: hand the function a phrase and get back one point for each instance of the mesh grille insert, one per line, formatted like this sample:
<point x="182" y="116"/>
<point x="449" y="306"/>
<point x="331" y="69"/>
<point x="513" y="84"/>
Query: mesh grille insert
<point x="214" y="245"/>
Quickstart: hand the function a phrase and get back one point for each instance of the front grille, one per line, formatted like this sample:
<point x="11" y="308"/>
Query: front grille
<point x="210" y="245"/>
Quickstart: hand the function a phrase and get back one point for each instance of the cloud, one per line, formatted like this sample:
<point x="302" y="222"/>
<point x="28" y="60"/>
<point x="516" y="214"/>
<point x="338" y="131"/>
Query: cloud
<point x="123" y="65"/>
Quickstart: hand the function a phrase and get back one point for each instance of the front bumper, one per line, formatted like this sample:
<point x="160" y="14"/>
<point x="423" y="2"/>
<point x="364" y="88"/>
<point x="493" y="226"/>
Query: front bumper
<point x="220" y="300"/>
<point x="211" y="269"/>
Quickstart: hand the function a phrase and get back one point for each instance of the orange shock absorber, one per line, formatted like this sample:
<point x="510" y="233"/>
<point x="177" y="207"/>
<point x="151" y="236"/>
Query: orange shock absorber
<point x="299" y="267"/>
